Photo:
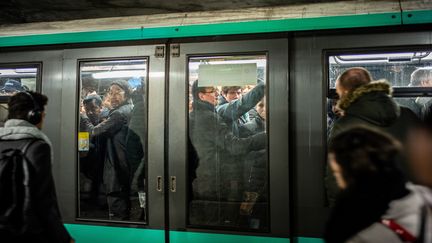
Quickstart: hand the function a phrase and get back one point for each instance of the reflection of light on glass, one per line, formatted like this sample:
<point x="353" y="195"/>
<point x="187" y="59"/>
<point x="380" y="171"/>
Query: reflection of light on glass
<point x="116" y="67"/>
<point x="195" y="65"/>
<point x="380" y="58"/>
<point x="157" y="74"/>
<point x="21" y="72"/>
<point x="119" y="74"/>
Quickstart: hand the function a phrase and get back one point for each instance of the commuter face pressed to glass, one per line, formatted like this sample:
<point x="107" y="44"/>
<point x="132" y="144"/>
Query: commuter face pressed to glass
<point x="210" y="95"/>
<point x="233" y="94"/>
<point x="117" y="96"/>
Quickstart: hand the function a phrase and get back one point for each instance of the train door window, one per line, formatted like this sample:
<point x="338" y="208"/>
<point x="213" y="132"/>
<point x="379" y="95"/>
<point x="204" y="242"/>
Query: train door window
<point x="15" y="78"/>
<point x="228" y="171"/>
<point x="112" y="139"/>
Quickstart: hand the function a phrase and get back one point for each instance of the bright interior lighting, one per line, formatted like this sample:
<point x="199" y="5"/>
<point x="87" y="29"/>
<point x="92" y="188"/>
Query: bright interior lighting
<point x="119" y="74"/>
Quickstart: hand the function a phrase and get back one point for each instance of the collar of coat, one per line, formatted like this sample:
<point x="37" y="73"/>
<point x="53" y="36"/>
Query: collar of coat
<point x="375" y="86"/>
<point x="15" y="129"/>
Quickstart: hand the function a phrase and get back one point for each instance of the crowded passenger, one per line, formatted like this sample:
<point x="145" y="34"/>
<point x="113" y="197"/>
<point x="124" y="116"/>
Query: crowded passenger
<point x="367" y="102"/>
<point x="219" y="171"/>
<point x="91" y="161"/>
<point x="117" y="174"/>
<point x="376" y="204"/>
<point x="29" y="211"/>
<point x="234" y="107"/>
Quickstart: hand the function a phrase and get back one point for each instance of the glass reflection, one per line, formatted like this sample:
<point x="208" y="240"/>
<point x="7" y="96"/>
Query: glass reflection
<point x="228" y="172"/>
<point x="112" y="140"/>
<point x="16" y="78"/>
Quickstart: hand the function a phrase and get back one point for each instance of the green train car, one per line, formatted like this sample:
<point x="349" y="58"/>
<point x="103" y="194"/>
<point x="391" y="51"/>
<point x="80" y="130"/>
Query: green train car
<point x="185" y="179"/>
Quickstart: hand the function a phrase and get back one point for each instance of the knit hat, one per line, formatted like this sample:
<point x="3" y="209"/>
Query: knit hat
<point x="124" y="85"/>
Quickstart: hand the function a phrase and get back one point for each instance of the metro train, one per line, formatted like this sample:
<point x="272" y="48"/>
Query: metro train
<point x="298" y="67"/>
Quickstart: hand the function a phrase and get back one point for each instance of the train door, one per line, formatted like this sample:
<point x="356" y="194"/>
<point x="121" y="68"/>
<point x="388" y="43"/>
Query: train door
<point x="228" y="140"/>
<point x="113" y="100"/>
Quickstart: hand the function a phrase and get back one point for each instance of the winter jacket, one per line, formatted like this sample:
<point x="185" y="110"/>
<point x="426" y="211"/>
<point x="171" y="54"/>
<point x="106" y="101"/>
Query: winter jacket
<point x="370" y="105"/>
<point x="235" y="113"/>
<point x="219" y="154"/>
<point x="117" y="173"/>
<point x="45" y="223"/>
<point x="406" y="212"/>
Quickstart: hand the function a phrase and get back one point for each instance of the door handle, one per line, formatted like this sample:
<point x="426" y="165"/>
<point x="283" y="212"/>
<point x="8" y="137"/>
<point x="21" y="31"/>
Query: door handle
<point x="159" y="183"/>
<point x="173" y="186"/>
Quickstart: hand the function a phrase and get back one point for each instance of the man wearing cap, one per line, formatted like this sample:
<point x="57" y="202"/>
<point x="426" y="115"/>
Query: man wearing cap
<point x="116" y="172"/>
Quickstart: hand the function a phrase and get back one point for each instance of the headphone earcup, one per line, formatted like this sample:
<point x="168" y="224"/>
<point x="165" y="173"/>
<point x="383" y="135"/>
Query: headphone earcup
<point x="34" y="116"/>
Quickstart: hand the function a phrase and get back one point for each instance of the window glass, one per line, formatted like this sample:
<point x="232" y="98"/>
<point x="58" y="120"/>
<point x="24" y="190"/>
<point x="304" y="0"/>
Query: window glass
<point x="112" y="140"/>
<point x="364" y="102"/>
<point x="227" y="159"/>
<point x="16" y="78"/>
<point x="395" y="67"/>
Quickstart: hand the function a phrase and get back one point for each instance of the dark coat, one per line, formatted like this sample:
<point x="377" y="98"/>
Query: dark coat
<point x="44" y="220"/>
<point x="370" y="105"/>
<point x="220" y="167"/>
<point x="117" y="174"/>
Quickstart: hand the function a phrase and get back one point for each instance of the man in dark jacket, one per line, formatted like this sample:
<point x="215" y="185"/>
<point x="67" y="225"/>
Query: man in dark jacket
<point x="117" y="173"/>
<point x="25" y="119"/>
<point x="367" y="102"/>
<point x="218" y="175"/>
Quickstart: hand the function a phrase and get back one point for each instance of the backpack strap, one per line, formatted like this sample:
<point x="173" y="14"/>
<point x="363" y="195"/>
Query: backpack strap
<point x="400" y="231"/>
<point x="421" y="237"/>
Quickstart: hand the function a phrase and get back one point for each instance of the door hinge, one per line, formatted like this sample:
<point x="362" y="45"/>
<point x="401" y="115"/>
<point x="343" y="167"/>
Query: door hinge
<point x="160" y="51"/>
<point x="175" y="50"/>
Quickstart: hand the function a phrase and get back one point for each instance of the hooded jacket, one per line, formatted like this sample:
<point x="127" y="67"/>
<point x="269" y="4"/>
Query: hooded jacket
<point x="44" y="216"/>
<point x="373" y="106"/>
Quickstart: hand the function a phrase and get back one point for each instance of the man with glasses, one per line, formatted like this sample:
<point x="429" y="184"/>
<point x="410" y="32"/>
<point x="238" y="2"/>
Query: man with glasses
<point x="219" y="173"/>
<point x="117" y="170"/>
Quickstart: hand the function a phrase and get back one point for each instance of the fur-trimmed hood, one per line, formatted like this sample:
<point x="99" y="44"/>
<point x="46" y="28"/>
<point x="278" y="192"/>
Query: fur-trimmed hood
<point x="376" y="86"/>
<point x="15" y="129"/>
<point x="372" y="103"/>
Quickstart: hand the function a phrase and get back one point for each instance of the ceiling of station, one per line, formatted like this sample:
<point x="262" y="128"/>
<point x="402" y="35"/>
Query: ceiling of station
<point x="30" y="11"/>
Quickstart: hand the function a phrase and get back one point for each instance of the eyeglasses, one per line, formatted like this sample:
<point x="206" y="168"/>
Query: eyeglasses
<point x="112" y="93"/>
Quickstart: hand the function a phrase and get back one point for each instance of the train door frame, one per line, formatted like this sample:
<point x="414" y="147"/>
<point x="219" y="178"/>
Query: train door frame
<point x="277" y="97"/>
<point x="155" y="145"/>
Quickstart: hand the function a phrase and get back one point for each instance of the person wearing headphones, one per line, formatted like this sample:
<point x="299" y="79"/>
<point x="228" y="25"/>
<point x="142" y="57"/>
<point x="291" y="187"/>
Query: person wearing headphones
<point x="36" y="217"/>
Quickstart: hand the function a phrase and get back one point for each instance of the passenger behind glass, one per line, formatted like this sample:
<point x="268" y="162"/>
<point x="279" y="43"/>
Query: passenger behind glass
<point x="218" y="187"/>
<point x="116" y="172"/>
<point x="376" y="204"/>
<point x="422" y="77"/>
<point x="91" y="162"/>
<point x="234" y="107"/>
<point x="136" y="152"/>
<point x="257" y="121"/>
<point x="367" y="102"/>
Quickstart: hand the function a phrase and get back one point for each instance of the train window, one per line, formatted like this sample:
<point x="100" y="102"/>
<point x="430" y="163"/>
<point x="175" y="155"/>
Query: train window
<point x="15" y="78"/>
<point x="408" y="72"/>
<point x="112" y="140"/>
<point x="227" y="159"/>
<point x="395" y="67"/>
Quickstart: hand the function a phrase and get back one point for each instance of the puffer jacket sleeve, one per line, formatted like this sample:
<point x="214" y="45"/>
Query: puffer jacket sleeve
<point x="237" y="146"/>
<point x="45" y="199"/>
<point x="233" y="110"/>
